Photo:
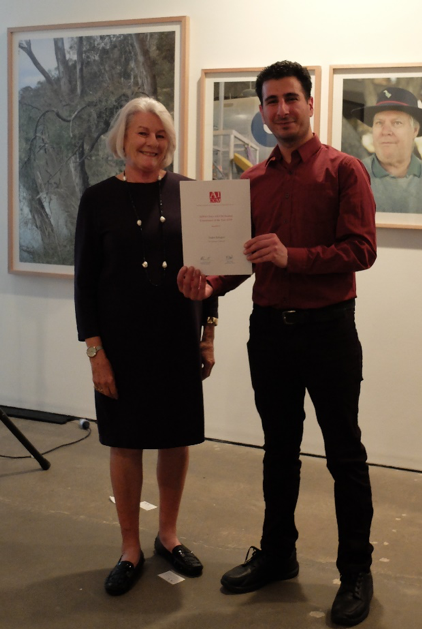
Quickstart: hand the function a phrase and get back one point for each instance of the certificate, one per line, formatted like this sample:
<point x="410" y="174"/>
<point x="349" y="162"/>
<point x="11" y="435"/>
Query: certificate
<point x="216" y="223"/>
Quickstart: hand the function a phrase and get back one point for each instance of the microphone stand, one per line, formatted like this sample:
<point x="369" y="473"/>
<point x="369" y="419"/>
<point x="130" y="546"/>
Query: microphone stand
<point x="24" y="441"/>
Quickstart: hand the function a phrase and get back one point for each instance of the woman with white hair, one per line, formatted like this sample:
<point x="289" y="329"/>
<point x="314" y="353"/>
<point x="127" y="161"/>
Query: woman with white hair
<point x="143" y="337"/>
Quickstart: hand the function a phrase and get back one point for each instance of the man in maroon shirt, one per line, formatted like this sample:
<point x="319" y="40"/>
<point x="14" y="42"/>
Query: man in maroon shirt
<point x="313" y="217"/>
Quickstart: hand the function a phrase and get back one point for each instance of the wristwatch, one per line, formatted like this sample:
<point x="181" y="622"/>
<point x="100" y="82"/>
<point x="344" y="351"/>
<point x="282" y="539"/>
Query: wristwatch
<point x="93" y="350"/>
<point x="212" y="321"/>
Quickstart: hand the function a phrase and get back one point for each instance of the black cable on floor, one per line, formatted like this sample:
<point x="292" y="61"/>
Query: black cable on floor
<point x="63" y="445"/>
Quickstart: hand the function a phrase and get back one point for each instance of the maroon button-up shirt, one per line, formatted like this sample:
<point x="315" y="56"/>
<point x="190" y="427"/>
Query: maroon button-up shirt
<point x="322" y="209"/>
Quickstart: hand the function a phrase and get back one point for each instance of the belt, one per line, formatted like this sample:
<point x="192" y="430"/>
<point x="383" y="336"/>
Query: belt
<point x="301" y="316"/>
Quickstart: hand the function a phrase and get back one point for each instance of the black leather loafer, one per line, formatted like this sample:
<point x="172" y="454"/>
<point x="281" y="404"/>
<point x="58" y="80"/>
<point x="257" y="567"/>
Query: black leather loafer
<point x="352" y="602"/>
<point x="181" y="558"/>
<point x="258" y="570"/>
<point x="123" y="576"/>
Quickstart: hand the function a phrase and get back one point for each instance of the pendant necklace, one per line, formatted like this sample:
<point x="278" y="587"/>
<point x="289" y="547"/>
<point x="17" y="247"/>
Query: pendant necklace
<point x="162" y="220"/>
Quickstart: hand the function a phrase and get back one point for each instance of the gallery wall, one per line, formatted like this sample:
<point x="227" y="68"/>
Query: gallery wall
<point x="42" y="365"/>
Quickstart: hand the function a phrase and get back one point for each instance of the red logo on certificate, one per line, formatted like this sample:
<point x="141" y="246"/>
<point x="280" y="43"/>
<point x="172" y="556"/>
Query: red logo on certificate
<point x="215" y="197"/>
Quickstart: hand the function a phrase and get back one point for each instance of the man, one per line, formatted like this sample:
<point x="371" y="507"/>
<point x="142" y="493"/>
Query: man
<point x="313" y="216"/>
<point x="396" y="172"/>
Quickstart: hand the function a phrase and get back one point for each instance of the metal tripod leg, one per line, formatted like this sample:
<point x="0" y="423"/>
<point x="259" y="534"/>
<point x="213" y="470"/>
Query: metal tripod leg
<point x="24" y="441"/>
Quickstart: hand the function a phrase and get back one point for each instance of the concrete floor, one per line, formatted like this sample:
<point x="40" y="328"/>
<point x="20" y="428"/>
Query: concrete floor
<point x="59" y="538"/>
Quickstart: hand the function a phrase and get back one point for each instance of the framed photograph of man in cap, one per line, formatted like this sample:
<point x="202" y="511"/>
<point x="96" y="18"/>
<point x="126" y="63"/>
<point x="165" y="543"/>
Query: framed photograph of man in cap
<point x="376" y="115"/>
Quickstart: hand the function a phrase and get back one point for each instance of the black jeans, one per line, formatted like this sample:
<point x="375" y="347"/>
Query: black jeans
<point x="323" y="357"/>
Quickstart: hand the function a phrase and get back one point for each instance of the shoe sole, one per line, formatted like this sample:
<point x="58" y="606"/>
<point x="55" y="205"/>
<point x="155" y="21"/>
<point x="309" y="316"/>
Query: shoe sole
<point x="251" y="588"/>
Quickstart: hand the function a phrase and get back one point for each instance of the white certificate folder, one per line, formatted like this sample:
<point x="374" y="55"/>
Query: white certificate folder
<point x="216" y="223"/>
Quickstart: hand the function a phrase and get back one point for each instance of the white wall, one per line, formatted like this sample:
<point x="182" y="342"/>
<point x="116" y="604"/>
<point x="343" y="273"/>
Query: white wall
<point x="42" y="366"/>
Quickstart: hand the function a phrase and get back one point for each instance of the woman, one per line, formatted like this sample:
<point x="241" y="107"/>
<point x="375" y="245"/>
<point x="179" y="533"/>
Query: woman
<point x="142" y="335"/>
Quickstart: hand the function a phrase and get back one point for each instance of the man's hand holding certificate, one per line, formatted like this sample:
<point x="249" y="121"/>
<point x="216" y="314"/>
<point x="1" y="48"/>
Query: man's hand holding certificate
<point x="216" y="224"/>
<point x="193" y="284"/>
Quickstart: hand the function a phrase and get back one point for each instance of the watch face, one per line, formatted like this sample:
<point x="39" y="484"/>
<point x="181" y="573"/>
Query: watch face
<point x="91" y="351"/>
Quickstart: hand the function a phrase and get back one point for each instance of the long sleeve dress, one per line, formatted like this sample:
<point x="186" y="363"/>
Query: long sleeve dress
<point x="149" y="330"/>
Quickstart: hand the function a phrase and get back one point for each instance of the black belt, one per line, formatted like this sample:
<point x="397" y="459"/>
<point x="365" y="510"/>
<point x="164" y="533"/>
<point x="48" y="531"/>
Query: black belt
<point x="300" y="316"/>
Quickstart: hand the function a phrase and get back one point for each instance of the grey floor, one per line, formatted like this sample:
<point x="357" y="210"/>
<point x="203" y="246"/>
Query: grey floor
<point x="59" y="537"/>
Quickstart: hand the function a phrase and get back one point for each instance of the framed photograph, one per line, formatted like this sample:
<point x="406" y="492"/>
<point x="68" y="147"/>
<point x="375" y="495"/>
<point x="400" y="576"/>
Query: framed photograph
<point x="232" y="134"/>
<point x="65" y="85"/>
<point x="375" y="114"/>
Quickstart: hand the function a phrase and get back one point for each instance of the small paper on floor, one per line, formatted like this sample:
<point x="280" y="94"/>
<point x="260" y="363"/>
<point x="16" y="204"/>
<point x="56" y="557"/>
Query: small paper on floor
<point x="171" y="577"/>
<point x="147" y="506"/>
<point x="317" y="614"/>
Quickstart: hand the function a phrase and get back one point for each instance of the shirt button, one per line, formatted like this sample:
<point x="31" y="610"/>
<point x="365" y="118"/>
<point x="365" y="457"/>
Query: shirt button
<point x="287" y="195"/>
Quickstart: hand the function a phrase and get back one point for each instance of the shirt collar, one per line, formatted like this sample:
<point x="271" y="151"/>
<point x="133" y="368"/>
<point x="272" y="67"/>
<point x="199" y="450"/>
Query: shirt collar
<point x="305" y="151"/>
<point x="415" y="168"/>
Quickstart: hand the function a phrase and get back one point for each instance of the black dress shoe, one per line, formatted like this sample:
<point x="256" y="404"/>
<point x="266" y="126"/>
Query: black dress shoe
<point x="353" y="599"/>
<point x="123" y="576"/>
<point x="182" y="559"/>
<point x="258" y="570"/>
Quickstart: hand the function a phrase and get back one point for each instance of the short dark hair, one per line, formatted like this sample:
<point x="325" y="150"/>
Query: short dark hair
<point x="281" y="70"/>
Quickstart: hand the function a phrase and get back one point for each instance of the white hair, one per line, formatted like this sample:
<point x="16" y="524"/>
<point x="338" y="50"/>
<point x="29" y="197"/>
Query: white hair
<point x="415" y="124"/>
<point x="120" y="123"/>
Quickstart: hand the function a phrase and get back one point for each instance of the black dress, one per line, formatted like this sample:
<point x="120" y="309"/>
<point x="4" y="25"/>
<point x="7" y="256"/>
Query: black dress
<point x="149" y="330"/>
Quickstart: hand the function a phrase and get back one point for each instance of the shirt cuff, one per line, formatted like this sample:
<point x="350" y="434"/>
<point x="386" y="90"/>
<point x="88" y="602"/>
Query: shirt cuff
<point x="296" y="260"/>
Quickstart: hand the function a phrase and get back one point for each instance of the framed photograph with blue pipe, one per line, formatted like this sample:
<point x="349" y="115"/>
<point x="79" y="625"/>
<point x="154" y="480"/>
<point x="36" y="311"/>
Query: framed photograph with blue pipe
<point x="232" y="134"/>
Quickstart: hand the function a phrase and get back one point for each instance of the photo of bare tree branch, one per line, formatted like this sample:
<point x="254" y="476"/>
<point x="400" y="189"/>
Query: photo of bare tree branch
<point x="69" y="90"/>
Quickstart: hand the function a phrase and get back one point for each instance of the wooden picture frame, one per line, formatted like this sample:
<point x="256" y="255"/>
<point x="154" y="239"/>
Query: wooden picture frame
<point x="65" y="84"/>
<point x="232" y="135"/>
<point x="351" y="90"/>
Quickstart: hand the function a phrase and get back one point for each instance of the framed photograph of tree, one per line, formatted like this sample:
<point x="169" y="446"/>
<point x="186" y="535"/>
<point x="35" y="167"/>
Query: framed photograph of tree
<point x="375" y="114"/>
<point x="232" y="134"/>
<point x="65" y="85"/>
